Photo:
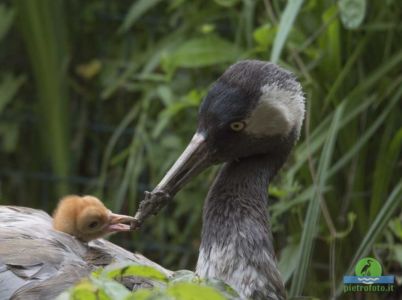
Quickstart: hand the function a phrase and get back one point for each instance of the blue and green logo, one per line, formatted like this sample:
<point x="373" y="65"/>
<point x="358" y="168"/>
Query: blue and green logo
<point x="368" y="278"/>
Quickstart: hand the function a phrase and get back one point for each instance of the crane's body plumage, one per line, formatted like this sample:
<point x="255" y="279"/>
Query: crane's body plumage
<point x="38" y="262"/>
<point x="249" y="121"/>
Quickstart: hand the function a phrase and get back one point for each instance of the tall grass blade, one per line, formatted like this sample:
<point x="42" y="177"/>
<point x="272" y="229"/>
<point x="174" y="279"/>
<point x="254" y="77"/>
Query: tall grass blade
<point x="42" y="25"/>
<point x="353" y="108"/>
<point x="287" y="19"/>
<point x="313" y="211"/>
<point x="367" y="135"/>
<point x="385" y="167"/>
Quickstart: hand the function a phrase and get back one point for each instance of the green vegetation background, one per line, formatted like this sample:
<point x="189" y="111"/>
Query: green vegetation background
<point x="100" y="97"/>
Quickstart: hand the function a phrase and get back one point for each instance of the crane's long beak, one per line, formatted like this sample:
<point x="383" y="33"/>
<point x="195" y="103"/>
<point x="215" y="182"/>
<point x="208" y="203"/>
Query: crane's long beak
<point x="191" y="162"/>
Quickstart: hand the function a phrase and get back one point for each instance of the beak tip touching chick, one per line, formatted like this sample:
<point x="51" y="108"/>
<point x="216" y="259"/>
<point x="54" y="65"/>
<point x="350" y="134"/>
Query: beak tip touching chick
<point x="87" y="218"/>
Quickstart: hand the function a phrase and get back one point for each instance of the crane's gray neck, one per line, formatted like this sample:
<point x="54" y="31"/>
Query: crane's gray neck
<point x="236" y="237"/>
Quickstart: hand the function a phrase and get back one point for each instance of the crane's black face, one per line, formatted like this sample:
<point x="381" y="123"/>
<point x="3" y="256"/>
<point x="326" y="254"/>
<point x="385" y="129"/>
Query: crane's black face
<point x="223" y="119"/>
<point x="250" y="110"/>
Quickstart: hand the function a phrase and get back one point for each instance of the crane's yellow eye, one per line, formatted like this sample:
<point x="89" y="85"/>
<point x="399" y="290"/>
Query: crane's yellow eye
<point x="237" y="126"/>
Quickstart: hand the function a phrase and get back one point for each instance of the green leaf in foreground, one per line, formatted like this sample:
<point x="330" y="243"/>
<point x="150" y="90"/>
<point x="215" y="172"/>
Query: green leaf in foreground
<point x="138" y="270"/>
<point x="147" y="294"/>
<point x="84" y="290"/>
<point x="191" y="291"/>
<point x="185" y="276"/>
<point x="111" y="288"/>
<point x="222" y="287"/>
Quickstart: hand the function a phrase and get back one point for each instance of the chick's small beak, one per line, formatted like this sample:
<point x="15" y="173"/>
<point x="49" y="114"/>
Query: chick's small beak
<point x="116" y="223"/>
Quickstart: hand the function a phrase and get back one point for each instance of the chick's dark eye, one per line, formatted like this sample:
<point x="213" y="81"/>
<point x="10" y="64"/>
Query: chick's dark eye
<point x="93" y="224"/>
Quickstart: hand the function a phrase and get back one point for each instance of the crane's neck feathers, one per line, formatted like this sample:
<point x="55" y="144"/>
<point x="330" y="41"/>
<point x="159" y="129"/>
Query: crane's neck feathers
<point x="236" y="237"/>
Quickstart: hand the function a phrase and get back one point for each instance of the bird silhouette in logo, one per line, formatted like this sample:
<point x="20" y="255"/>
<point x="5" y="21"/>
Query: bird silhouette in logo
<point x="365" y="271"/>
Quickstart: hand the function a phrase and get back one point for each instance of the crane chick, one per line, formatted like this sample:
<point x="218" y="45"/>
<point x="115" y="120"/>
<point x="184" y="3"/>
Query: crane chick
<point x="87" y="218"/>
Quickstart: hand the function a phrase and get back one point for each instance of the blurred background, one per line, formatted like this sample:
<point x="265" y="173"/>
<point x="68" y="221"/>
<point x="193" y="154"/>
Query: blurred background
<point x="100" y="97"/>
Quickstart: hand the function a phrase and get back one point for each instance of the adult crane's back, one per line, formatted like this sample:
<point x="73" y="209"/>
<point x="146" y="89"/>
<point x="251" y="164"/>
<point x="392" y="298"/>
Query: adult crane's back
<point x="37" y="262"/>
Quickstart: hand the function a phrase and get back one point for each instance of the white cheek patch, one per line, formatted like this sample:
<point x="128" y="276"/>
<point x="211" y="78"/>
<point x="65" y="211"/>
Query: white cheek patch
<point x="278" y="112"/>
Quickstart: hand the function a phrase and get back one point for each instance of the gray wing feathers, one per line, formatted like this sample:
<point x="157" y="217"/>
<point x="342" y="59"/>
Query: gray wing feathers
<point x="37" y="262"/>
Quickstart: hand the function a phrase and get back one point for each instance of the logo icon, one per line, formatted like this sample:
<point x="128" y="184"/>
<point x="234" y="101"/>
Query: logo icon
<point x="368" y="278"/>
<point x="368" y="267"/>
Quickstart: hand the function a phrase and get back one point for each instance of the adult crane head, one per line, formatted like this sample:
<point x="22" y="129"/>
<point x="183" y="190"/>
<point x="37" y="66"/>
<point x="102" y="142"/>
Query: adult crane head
<point x="254" y="108"/>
